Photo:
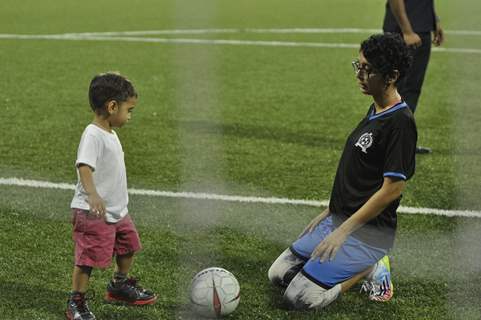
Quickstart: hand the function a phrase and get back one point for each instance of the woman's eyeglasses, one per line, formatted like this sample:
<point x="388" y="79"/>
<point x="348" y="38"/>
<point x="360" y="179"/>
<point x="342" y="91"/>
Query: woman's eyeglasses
<point x="362" y="69"/>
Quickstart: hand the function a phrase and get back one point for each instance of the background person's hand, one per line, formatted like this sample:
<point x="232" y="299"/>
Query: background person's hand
<point x="412" y="40"/>
<point x="438" y="35"/>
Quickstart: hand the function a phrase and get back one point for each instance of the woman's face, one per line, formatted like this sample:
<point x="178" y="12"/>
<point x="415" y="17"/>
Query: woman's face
<point x="370" y="81"/>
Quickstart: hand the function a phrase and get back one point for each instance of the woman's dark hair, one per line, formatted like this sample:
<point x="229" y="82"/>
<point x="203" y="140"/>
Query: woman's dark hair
<point x="109" y="86"/>
<point x="386" y="53"/>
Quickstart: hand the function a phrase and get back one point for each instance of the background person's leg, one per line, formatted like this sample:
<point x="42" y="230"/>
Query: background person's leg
<point x="411" y="86"/>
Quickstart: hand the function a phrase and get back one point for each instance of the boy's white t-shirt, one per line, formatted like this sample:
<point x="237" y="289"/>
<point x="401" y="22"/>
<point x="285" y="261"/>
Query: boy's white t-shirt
<point x="102" y="151"/>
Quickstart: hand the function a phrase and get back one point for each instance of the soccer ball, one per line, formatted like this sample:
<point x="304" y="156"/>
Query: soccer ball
<point x="214" y="292"/>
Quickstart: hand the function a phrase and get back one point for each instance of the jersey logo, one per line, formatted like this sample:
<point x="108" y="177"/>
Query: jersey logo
<point x="364" y="142"/>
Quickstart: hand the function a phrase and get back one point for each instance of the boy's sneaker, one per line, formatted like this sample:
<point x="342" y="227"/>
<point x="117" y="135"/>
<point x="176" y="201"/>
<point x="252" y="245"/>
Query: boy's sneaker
<point x="378" y="283"/>
<point x="128" y="291"/>
<point x="77" y="308"/>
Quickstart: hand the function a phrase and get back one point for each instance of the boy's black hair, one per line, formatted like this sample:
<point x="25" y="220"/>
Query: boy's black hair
<point x="109" y="86"/>
<point x="386" y="53"/>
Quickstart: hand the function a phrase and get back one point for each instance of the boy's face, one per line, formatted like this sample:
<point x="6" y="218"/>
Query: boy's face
<point x="120" y="112"/>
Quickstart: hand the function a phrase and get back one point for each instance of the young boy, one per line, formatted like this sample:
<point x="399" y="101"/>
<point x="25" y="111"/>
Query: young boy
<point x="102" y="227"/>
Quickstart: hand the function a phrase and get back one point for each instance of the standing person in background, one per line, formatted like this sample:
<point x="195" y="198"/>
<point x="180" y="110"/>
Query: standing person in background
<point x="415" y="20"/>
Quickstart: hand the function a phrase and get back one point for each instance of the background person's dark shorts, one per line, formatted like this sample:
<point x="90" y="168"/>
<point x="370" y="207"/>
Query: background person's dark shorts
<point x="97" y="241"/>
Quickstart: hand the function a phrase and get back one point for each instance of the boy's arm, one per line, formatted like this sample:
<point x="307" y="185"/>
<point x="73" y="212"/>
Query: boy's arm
<point x="97" y="205"/>
<point x="390" y="191"/>
<point x="398" y="9"/>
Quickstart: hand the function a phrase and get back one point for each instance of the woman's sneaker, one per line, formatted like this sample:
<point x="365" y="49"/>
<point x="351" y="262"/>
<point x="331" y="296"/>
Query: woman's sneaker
<point x="128" y="291"/>
<point x="378" y="283"/>
<point x="77" y="308"/>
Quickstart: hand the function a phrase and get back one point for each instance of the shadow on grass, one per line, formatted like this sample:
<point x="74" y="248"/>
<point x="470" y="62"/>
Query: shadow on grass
<point x="19" y="296"/>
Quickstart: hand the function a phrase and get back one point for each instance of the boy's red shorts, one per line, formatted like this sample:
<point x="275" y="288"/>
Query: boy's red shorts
<point x="97" y="241"/>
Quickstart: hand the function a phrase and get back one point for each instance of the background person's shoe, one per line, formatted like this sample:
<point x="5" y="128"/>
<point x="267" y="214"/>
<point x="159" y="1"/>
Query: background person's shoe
<point x="130" y="292"/>
<point x="423" y="150"/>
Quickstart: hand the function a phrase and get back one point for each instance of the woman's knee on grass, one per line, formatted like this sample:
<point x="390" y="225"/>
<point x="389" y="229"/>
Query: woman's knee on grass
<point x="304" y="294"/>
<point x="285" y="268"/>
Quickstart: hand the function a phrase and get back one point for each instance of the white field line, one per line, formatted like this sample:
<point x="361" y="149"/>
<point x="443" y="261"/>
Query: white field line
<point x="227" y="31"/>
<point x="258" y="30"/>
<point x="212" y="42"/>
<point x="242" y="199"/>
<point x="179" y="40"/>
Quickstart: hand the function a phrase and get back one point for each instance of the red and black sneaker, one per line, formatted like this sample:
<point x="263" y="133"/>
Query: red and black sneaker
<point x="128" y="291"/>
<point x="77" y="308"/>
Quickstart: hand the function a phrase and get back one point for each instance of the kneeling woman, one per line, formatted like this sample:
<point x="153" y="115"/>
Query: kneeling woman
<point x="351" y="238"/>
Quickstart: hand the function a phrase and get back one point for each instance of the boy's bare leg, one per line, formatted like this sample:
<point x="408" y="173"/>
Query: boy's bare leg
<point x="124" y="263"/>
<point x="80" y="279"/>
<point x="77" y="307"/>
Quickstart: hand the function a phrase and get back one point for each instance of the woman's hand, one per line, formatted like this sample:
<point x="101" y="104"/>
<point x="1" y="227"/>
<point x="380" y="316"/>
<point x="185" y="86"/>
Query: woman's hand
<point x="314" y="222"/>
<point x="327" y="249"/>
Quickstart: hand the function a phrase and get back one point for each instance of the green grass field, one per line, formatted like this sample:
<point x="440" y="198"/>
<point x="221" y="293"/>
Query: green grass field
<point x="250" y="120"/>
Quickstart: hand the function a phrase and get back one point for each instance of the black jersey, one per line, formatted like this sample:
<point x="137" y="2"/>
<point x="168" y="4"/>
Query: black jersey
<point x="420" y="14"/>
<point x="382" y="145"/>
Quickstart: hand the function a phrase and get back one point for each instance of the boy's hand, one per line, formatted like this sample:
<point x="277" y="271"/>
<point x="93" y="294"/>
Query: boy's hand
<point x="97" y="205"/>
